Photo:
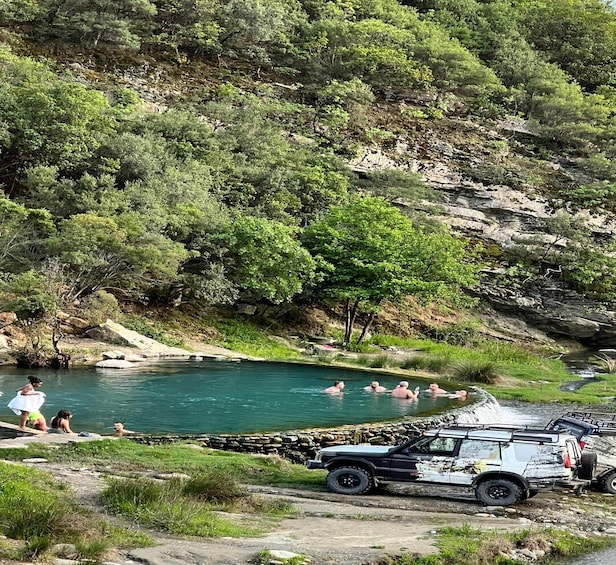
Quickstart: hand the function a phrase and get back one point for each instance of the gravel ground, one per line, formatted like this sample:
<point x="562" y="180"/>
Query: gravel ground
<point x="335" y="529"/>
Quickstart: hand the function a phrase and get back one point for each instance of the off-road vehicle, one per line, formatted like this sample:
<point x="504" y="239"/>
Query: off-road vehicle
<point x="596" y="434"/>
<point x="502" y="464"/>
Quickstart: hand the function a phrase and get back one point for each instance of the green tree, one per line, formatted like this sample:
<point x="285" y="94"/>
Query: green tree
<point x="46" y="120"/>
<point x="577" y="35"/>
<point x="24" y="234"/>
<point x="256" y="29"/>
<point x="116" y="255"/>
<point x="264" y="259"/>
<point x="19" y="10"/>
<point x="115" y="23"/>
<point x="371" y="253"/>
<point x="33" y="298"/>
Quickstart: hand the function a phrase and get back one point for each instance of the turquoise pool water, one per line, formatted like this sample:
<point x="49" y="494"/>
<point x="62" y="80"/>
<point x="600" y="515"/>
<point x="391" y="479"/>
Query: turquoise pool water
<point x="214" y="397"/>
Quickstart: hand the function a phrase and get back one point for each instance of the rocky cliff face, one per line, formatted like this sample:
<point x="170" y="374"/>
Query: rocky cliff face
<point x="503" y="216"/>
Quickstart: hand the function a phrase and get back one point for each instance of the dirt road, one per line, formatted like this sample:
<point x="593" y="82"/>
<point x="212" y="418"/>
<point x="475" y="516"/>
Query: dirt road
<point x="355" y="530"/>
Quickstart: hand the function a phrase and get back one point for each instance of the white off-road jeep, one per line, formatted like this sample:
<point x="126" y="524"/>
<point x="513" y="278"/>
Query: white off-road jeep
<point x="502" y="464"/>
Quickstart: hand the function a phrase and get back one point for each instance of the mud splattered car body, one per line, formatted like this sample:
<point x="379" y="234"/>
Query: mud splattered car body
<point x="502" y="464"/>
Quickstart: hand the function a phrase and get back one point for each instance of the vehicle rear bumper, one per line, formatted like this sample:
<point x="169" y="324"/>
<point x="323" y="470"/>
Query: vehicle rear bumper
<point x="568" y="484"/>
<point x="313" y="464"/>
<point x="574" y="484"/>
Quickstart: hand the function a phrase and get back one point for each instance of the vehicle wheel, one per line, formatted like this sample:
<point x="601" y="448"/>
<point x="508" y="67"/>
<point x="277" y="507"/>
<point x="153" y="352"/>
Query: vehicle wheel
<point x="607" y="482"/>
<point x="349" y="480"/>
<point x="588" y="466"/>
<point x="498" y="492"/>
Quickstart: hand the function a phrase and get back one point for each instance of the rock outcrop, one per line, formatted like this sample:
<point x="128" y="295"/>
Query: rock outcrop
<point x="504" y="216"/>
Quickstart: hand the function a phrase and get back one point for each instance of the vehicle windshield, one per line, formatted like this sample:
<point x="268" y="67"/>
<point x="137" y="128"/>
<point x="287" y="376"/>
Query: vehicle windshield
<point x="569" y="427"/>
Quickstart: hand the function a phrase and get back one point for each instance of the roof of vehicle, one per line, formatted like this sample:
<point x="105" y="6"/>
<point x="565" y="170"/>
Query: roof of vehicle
<point x="603" y="422"/>
<point x="499" y="432"/>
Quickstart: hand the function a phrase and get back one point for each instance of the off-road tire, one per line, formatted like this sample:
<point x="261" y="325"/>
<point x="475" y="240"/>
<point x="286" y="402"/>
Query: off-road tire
<point x="498" y="492"/>
<point x="350" y="480"/>
<point x="588" y="466"/>
<point x="607" y="482"/>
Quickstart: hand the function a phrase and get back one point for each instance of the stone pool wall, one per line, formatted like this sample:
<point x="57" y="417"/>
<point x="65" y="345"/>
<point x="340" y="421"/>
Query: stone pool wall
<point x="301" y="445"/>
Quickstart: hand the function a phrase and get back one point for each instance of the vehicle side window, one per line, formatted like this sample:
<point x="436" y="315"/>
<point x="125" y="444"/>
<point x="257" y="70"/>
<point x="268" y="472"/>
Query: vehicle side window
<point x="525" y="451"/>
<point x="478" y="449"/>
<point x="440" y="445"/>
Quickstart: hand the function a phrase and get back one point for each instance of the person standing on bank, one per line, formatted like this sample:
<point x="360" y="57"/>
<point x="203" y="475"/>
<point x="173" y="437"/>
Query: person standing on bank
<point x="27" y="400"/>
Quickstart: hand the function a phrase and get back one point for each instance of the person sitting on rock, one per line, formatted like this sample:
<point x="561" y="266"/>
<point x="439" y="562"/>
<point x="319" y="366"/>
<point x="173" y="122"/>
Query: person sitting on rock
<point x="60" y="423"/>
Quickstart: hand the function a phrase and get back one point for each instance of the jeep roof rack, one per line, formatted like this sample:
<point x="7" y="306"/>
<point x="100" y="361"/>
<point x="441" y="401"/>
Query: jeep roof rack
<point x="502" y="432"/>
<point x="604" y="421"/>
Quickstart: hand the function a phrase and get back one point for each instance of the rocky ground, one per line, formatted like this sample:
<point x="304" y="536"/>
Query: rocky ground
<point x="335" y="529"/>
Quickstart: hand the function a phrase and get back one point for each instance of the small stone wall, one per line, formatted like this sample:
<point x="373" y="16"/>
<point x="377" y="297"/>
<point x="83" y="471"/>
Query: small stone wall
<point x="299" y="446"/>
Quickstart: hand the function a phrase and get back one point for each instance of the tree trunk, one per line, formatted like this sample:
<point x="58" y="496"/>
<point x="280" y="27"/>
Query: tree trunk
<point x="351" y="314"/>
<point x="366" y="327"/>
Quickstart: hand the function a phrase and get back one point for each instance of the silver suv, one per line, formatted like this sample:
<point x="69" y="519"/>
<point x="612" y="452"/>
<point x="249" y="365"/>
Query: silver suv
<point x="502" y="464"/>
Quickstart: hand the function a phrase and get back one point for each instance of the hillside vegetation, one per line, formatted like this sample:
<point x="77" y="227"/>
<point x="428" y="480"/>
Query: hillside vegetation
<point x="194" y="153"/>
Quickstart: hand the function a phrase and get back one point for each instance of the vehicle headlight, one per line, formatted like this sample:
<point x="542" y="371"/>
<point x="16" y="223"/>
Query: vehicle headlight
<point x="319" y="456"/>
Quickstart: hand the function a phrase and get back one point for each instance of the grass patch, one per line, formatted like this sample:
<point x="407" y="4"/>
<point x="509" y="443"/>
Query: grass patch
<point x="247" y="338"/>
<point x="431" y="363"/>
<point x="160" y="506"/>
<point x="152" y="329"/>
<point x="466" y="546"/>
<point x="376" y="361"/>
<point x="125" y="455"/>
<point x="191" y="507"/>
<point x="476" y="371"/>
<point x="39" y="511"/>
<point x="505" y="370"/>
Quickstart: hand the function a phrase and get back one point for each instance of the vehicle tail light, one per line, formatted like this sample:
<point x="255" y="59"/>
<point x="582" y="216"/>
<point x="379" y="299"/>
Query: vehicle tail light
<point x="582" y="444"/>
<point x="567" y="461"/>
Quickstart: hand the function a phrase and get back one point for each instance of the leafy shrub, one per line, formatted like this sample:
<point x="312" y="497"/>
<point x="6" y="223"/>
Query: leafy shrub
<point x="462" y="333"/>
<point x="101" y="306"/>
<point x="215" y="487"/>
<point x="476" y="371"/>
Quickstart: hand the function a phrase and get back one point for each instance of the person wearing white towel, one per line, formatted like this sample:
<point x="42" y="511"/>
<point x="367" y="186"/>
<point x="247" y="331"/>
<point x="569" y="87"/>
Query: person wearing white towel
<point x="27" y="400"/>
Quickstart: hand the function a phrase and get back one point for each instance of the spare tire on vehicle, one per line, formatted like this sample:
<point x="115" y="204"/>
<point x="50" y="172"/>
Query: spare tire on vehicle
<point x="588" y="466"/>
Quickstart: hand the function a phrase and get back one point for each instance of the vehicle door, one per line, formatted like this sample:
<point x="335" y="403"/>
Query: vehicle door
<point x="428" y="460"/>
<point x="474" y="456"/>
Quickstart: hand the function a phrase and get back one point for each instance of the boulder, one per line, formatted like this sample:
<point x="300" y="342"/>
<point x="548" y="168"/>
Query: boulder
<point x="115" y="364"/>
<point x="7" y="318"/>
<point x="112" y="332"/>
